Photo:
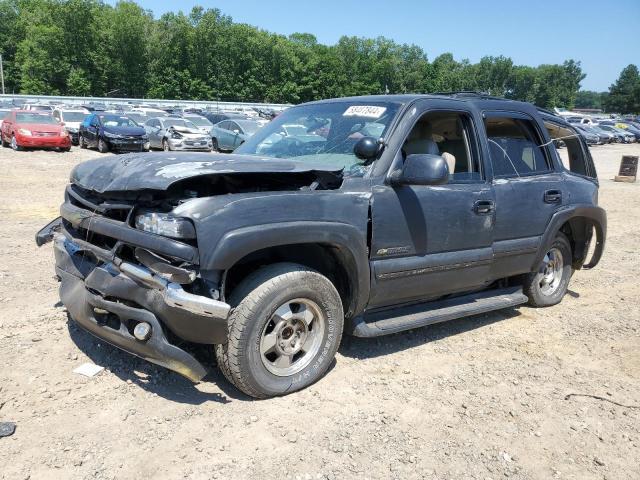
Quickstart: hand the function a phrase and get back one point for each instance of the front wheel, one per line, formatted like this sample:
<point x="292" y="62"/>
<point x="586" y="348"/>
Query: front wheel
<point x="549" y="284"/>
<point x="82" y="142"/>
<point x="102" y="146"/>
<point x="214" y="145"/>
<point x="166" y="146"/>
<point x="14" y="144"/>
<point x="284" y="331"/>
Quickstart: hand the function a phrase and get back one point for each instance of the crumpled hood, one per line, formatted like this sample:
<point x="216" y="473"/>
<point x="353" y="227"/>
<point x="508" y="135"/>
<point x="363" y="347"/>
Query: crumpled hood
<point x="158" y="171"/>
<point x="181" y="129"/>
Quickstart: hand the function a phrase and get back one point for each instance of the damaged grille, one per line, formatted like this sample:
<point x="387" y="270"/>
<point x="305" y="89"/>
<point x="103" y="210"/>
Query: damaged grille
<point x="106" y="223"/>
<point x="115" y="210"/>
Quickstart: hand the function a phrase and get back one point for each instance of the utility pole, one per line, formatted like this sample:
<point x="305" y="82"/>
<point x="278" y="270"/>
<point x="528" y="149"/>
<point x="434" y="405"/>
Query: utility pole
<point x="2" y="74"/>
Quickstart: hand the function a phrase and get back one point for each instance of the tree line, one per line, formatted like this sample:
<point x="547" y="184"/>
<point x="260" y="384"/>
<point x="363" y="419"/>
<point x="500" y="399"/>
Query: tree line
<point x="623" y="96"/>
<point x="89" y="48"/>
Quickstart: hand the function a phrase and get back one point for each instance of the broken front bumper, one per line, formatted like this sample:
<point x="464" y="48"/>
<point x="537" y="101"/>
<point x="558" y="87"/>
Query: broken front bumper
<point x="110" y="297"/>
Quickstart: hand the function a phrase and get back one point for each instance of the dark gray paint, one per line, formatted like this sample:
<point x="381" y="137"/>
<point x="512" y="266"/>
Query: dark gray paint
<point x="424" y="241"/>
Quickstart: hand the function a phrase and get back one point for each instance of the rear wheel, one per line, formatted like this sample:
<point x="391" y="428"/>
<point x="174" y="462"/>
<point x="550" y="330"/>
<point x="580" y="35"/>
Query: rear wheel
<point x="214" y="145"/>
<point x="166" y="146"/>
<point x="102" y="146"/>
<point x="284" y="330"/>
<point x="549" y="284"/>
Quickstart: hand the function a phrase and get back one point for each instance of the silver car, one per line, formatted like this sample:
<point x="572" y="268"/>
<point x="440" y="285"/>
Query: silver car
<point x="199" y="121"/>
<point x="171" y="134"/>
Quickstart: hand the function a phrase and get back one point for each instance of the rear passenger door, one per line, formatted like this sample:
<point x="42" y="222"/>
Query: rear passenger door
<point x="528" y="189"/>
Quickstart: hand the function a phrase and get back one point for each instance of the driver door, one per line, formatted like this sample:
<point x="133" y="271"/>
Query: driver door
<point x="238" y="136"/>
<point x="429" y="241"/>
<point x="92" y="131"/>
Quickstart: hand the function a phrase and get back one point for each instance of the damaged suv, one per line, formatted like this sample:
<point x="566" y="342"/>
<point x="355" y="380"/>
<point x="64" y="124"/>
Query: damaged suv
<point x="389" y="213"/>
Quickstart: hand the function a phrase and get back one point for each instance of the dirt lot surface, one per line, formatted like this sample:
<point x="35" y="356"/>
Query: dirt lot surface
<point x="479" y="398"/>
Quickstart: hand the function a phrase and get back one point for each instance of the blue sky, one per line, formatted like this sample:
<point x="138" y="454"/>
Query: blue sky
<point x="602" y="34"/>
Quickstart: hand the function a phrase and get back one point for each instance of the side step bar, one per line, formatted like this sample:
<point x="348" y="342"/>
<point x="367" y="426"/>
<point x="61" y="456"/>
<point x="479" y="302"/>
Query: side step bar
<point x="396" y="320"/>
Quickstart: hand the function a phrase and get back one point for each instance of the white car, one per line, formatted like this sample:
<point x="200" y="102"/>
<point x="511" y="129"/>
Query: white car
<point x="71" y="120"/>
<point x="148" y="112"/>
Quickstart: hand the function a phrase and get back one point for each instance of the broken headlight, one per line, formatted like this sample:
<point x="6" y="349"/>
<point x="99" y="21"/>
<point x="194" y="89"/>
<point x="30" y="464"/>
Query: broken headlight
<point x="165" y="225"/>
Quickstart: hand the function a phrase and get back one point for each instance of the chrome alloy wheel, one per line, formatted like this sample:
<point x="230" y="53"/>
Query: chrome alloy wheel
<point x="552" y="266"/>
<point x="292" y="337"/>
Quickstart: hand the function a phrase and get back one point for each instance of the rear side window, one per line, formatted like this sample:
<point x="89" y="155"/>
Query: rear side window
<point x="571" y="149"/>
<point x="515" y="148"/>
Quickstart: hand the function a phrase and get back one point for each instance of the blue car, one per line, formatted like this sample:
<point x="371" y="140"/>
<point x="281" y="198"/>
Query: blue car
<point x="109" y="131"/>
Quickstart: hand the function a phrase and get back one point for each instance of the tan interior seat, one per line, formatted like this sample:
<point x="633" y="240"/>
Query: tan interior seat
<point x="420" y="141"/>
<point x="451" y="161"/>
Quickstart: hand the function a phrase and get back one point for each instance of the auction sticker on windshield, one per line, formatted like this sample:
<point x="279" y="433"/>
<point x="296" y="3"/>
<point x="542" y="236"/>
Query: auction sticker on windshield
<point x="364" y="111"/>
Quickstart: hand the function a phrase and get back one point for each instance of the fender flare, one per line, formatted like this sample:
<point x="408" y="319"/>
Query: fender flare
<point x="596" y="216"/>
<point x="351" y="241"/>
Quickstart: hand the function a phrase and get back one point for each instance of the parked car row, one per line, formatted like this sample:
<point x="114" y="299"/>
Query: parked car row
<point x="604" y="131"/>
<point x="141" y="128"/>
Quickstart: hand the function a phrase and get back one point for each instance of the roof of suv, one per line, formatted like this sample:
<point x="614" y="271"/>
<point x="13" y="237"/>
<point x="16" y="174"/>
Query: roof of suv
<point x="409" y="97"/>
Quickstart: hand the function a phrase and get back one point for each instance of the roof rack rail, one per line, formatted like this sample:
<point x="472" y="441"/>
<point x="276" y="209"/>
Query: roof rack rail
<point x="544" y="110"/>
<point x="470" y="93"/>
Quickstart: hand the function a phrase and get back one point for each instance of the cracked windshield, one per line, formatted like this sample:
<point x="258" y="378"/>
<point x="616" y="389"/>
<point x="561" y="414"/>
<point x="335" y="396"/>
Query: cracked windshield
<point x="323" y="134"/>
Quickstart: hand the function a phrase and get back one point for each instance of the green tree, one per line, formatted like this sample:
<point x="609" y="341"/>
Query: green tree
<point x="89" y="46"/>
<point x="43" y="67"/>
<point x="590" y="99"/>
<point x="624" y="94"/>
<point x="77" y="83"/>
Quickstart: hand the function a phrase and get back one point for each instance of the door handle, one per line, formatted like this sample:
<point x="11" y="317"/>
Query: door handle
<point x="552" y="196"/>
<point x="484" y="207"/>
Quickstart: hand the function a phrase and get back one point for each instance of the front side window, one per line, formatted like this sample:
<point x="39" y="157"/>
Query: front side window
<point x="323" y="134"/>
<point x="515" y="147"/>
<point x="451" y="135"/>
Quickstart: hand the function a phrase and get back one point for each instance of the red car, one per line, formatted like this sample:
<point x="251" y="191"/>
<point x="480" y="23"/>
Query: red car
<point x="23" y="128"/>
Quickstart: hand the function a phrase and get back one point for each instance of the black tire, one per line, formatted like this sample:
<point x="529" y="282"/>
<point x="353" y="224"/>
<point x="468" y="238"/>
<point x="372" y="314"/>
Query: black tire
<point x="255" y="301"/>
<point x="103" y="147"/>
<point x="166" y="146"/>
<point x="14" y="144"/>
<point x="544" y="288"/>
<point x="214" y="145"/>
<point x="82" y="142"/>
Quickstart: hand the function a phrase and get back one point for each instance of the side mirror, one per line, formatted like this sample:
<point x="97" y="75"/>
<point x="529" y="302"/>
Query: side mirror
<point x="366" y="148"/>
<point x="422" y="169"/>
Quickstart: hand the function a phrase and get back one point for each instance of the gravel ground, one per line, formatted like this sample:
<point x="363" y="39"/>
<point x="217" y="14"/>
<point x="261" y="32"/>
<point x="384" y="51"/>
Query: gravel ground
<point x="478" y="398"/>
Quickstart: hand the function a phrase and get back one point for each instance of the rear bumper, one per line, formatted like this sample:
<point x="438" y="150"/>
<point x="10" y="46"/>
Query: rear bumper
<point x="109" y="298"/>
